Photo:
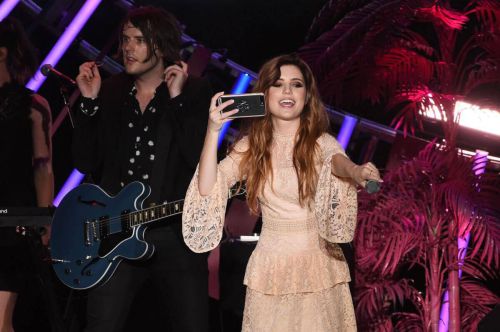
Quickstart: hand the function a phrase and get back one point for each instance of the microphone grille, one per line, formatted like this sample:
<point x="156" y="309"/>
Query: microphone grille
<point x="45" y="69"/>
<point x="372" y="186"/>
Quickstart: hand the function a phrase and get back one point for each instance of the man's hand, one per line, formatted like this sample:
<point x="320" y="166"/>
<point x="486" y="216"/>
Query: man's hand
<point x="89" y="80"/>
<point x="175" y="77"/>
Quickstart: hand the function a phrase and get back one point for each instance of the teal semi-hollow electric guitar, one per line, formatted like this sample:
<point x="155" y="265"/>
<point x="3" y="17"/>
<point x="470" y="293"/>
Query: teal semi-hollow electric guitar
<point x="92" y="232"/>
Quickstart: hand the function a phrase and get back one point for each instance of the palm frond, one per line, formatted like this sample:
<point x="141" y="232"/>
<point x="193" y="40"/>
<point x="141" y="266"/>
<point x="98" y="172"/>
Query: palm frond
<point x="487" y="14"/>
<point x="479" y="74"/>
<point x="485" y="227"/>
<point x="330" y="14"/>
<point x="485" y="239"/>
<point x="338" y="44"/>
<point x="440" y="15"/>
<point x="473" y="267"/>
<point x="408" y="322"/>
<point x="407" y="57"/>
<point x="373" y="299"/>
<point x="476" y="302"/>
<point x="410" y="104"/>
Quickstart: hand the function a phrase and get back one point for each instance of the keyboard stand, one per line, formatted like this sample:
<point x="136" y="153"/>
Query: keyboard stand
<point x="42" y="275"/>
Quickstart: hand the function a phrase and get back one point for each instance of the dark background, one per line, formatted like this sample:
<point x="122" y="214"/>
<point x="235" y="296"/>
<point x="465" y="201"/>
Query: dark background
<point x="251" y="31"/>
<point x="246" y="32"/>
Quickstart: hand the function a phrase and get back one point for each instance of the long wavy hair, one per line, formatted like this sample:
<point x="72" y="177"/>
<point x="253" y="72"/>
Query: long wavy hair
<point x="256" y="166"/>
<point x="21" y="57"/>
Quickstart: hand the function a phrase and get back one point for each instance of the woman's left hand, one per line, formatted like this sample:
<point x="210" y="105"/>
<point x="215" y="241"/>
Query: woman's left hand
<point x="362" y="173"/>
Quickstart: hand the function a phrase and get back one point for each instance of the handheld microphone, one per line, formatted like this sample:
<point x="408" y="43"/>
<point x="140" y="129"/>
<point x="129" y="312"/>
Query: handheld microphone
<point x="372" y="186"/>
<point x="47" y="70"/>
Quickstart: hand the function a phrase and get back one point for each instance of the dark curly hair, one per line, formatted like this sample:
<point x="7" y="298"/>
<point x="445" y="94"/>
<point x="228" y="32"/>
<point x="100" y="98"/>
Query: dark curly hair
<point x="22" y="60"/>
<point x="160" y="29"/>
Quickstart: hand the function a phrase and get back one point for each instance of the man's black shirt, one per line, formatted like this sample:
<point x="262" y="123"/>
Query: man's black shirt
<point x="118" y="144"/>
<point x="141" y="138"/>
<point x="105" y="137"/>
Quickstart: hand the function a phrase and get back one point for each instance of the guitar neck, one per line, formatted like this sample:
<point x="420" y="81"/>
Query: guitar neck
<point x="166" y="210"/>
<point x="156" y="213"/>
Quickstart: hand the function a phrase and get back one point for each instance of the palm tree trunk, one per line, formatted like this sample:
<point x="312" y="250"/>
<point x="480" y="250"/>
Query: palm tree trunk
<point x="435" y="289"/>
<point x="453" y="290"/>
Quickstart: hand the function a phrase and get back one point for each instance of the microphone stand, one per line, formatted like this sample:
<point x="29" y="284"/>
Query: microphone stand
<point x="64" y="93"/>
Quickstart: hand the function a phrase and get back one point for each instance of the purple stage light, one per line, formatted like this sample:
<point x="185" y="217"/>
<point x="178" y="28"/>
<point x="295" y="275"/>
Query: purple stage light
<point x="6" y="7"/>
<point x="240" y="86"/>
<point x="480" y="161"/>
<point x="479" y="167"/>
<point x="53" y="58"/>
<point x="346" y="130"/>
<point x="73" y="180"/>
<point x="65" y="41"/>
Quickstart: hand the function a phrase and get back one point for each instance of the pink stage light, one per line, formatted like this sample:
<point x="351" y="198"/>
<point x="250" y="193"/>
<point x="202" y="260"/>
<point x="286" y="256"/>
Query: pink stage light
<point x="6" y="7"/>
<point x="64" y="41"/>
<point x="470" y="116"/>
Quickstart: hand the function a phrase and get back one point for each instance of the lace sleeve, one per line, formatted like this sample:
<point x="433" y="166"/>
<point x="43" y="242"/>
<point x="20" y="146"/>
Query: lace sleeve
<point x="336" y="203"/>
<point x="330" y="146"/>
<point x="203" y="216"/>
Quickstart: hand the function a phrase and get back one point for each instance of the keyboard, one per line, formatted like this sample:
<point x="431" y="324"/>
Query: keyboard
<point x="25" y="216"/>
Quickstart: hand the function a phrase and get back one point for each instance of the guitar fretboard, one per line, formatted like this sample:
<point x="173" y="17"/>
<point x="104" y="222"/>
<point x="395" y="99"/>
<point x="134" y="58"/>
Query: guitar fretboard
<point x="155" y="213"/>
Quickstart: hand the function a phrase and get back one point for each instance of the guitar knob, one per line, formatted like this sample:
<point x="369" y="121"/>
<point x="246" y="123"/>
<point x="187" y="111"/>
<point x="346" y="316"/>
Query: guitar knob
<point x="76" y="281"/>
<point x="67" y="270"/>
<point x="88" y="273"/>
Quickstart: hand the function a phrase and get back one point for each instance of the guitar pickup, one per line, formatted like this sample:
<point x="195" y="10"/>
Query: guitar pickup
<point x="126" y="221"/>
<point x="103" y="230"/>
<point x="90" y="232"/>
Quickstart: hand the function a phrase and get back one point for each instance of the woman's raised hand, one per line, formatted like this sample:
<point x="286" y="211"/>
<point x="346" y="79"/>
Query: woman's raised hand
<point x="216" y="117"/>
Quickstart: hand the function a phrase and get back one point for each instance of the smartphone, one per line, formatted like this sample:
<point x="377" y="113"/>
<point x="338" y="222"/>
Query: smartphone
<point x="248" y="104"/>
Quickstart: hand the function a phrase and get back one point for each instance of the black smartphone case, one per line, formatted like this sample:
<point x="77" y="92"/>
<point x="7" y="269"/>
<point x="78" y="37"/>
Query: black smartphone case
<point x="249" y="105"/>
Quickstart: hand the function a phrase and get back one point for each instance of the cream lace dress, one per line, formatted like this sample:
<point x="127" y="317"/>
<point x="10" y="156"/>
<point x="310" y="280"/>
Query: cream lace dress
<point x="297" y="276"/>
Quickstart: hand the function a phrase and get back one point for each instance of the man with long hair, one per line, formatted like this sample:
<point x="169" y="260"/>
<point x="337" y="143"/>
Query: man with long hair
<point x="26" y="177"/>
<point x="147" y="124"/>
<point x="300" y="179"/>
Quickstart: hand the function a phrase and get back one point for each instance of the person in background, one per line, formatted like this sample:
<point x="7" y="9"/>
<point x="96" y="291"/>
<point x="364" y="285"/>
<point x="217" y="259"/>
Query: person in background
<point x="26" y="178"/>
<point x="147" y="124"/>
<point x="300" y="179"/>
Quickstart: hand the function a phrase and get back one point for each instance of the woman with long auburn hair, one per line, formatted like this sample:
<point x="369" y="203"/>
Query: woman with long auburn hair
<point x="313" y="123"/>
<point x="299" y="178"/>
